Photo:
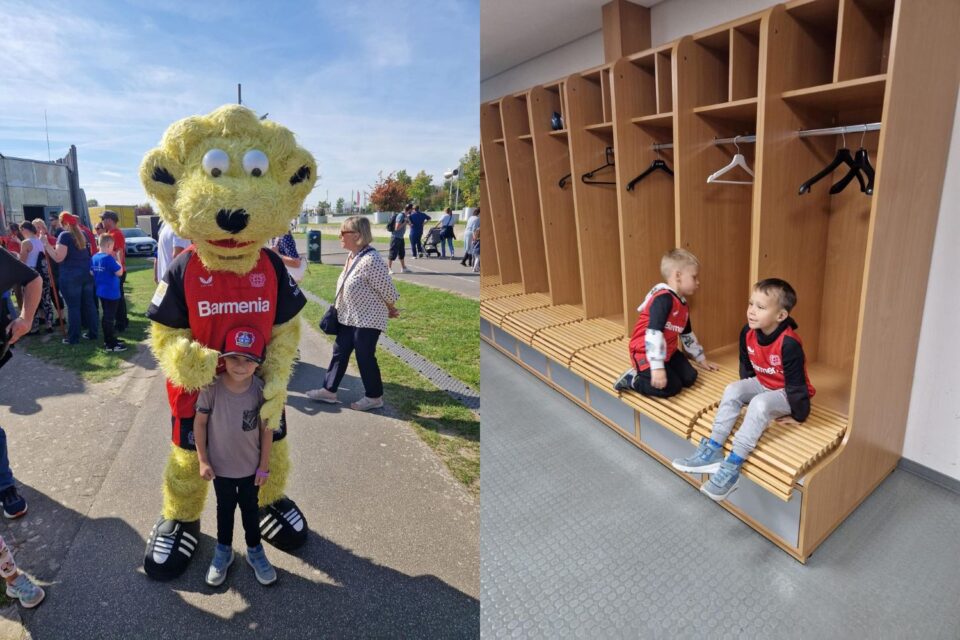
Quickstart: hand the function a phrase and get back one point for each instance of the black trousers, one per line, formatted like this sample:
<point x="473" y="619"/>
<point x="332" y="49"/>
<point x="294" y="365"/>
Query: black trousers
<point x="680" y="374"/>
<point x="122" y="322"/>
<point x="232" y="492"/>
<point x="364" y="341"/>
<point x="109" y="308"/>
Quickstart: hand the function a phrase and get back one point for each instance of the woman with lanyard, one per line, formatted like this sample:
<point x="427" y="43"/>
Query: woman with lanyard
<point x="364" y="301"/>
<point x="76" y="282"/>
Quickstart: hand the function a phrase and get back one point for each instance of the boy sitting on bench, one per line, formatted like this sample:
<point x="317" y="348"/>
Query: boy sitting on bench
<point x="660" y="369"/>
<point x="773" y="381"/>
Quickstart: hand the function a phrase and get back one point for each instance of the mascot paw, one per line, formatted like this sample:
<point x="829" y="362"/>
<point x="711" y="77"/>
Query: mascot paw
<point x="283" y="525"/>
<point x="196" y="364"/>
<point x="170" y="548"/>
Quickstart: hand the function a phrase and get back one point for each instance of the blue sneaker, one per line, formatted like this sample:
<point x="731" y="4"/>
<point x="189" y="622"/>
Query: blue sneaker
<point x="222" y="559"/>
<point x="625" y="381"/>
<point x="723" y="482"/>
<point x="262" y="568"/>
<point x="14" y="505"/>
<point x="29" y="594"/>
<point x="706" y="459"/>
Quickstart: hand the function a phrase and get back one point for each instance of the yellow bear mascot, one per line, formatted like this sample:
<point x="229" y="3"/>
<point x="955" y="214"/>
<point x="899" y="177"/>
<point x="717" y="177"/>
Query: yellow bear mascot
<point x="228" y="181"/>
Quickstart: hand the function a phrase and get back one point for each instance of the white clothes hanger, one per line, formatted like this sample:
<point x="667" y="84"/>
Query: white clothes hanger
<point x="737" y="161"/>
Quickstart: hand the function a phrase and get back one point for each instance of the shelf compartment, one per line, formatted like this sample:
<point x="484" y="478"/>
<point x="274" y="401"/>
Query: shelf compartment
<point x="864" y="42"/>
<point x="656" y="120"/>
<point x="860" y="93"/>
<point x="738" y="110"/>
<point x="560" y="133"/>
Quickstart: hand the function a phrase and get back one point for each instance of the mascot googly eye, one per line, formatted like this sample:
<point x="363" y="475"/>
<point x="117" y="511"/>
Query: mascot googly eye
<point x="216" y="162"/>
<point x="255" y="163"/>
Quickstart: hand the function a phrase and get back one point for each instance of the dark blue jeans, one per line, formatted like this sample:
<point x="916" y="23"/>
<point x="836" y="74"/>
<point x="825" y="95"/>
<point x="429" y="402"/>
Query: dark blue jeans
<point x="76" y="286"/>
<point x="416" y="242"/>
<point x="364" y="341"/>
<point x="6" y="476"/>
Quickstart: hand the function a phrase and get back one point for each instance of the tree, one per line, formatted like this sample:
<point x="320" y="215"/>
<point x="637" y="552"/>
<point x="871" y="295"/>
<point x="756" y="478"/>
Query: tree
<point x="469" y="179"/>
<point x="143" y="210"/>
<point x="421" y="188"/>
<point x="340" y="203"/>
<point x="388" y="194"/>
<point x="92" y="202"/>
<point x="404" y="178"/>
<point x="323" y="207"/>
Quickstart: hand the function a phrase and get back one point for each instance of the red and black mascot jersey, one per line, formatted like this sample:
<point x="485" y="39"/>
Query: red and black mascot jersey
<point x="778" y="362"/>
<point x="663" y="311"/>
<point x="210" y="303"/>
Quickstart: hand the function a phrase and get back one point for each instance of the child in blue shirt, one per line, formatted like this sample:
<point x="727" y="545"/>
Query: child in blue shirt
<point x="106" y="272"/>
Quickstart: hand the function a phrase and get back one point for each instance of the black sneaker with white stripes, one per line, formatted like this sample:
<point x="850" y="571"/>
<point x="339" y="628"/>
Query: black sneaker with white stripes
<point x="283" y="525"/>
<point x="170" y="548"/>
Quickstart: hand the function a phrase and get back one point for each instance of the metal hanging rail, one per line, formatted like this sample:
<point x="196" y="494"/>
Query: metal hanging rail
<point x="662" y="145"/>
<point x="836" y="131"/>
<point x="736" y="139"/>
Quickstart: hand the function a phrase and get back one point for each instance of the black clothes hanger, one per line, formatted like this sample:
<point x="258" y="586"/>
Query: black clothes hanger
<point x="861" y="166"/>
<point x="563" y="180"/>
<point x="654" y="166"/>
<point x="843" y="157"/>
<point x="609" y="163"/>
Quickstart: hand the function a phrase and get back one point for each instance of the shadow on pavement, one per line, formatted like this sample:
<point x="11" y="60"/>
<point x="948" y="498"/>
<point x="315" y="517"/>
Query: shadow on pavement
<point x="101" y="592"/>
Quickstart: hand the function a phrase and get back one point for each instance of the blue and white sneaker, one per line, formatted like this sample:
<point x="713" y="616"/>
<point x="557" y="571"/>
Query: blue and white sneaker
<point x="262" y="568"/>
<point x="723" y="482"/>
<point x="29" y="594"/>
<point x="706" y="459"/>
<point x="625" y="381"/>
<point x="222" y="559"/>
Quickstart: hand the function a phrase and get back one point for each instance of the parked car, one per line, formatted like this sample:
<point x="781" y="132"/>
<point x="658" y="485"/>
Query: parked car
<point x="139" y="243"/>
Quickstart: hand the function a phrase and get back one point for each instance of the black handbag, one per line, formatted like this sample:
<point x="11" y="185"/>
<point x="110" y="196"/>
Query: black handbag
<point x="330" y="323"/>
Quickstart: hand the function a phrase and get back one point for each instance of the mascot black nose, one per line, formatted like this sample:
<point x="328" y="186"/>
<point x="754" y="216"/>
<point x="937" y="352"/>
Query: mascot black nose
<point x="233" y="221"/>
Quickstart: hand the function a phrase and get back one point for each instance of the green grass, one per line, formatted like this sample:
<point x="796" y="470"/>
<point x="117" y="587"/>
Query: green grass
<point x="449" y="428"/>
<point x="442" y="327"/>
<point x="88" y="358"/>
<point x="458" y="243"/>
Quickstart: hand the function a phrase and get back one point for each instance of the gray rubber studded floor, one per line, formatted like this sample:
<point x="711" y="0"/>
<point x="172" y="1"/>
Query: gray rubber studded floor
<point x="583" y="535"/>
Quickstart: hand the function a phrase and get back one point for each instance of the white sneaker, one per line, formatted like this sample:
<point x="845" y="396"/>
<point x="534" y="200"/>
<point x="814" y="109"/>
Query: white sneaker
<point x="323" y="395"/>
<point x="391" y="271"/>
<point x="365" y="404"/>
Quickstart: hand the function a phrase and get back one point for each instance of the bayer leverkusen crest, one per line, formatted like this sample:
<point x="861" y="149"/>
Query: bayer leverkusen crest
<point x="258" y="279"/>
<point x="244" y="339"/>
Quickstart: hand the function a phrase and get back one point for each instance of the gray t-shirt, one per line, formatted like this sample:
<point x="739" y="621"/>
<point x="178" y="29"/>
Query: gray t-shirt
<point x="233" y="433"/>
<point x="400" y="225"/>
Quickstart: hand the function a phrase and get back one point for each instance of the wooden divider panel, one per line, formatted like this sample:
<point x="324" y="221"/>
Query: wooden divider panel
<point x="595" y="204"/>
<point x="713" y="220"/>
<point x="522" y="170"/>
<point x="647" y="212"/>
<point x="489" y="266"/>
<point x="552" y="153"/>
<point x="498" y="189"/>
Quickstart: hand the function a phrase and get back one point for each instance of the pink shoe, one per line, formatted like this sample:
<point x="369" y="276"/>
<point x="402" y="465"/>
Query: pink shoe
<point x="365" y="404"/>
<point x="323" y="395"/>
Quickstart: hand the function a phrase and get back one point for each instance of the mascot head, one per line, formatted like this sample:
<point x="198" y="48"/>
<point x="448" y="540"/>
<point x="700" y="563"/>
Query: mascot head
<point x="228" y="182"/>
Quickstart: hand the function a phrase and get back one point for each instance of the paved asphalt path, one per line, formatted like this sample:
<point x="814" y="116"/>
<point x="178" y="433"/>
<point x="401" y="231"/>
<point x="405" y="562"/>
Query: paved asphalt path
<point x="393" y="548"/>
<point x="444" y="274"/>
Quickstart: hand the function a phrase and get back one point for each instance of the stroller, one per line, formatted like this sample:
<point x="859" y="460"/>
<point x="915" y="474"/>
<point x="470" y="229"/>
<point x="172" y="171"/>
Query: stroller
<point x="431" y="244"/>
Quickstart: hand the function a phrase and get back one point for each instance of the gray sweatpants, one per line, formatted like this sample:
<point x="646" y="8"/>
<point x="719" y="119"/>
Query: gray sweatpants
<point x="764" y="406"/>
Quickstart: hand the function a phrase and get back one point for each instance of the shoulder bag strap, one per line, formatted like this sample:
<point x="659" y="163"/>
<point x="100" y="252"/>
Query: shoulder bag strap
<point x="356" y="259"/>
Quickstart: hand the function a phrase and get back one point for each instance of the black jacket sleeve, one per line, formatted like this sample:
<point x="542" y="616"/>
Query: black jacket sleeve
<point x="13" y="272"/>
<point x="796" y="383"/>
<point x="746" y="369"/>
<point x="290" y="299"/>
<point x="169" y="304"/>
<point x="659" y="312"/>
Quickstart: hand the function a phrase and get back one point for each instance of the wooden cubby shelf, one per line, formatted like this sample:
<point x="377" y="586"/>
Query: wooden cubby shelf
<point x="656" y="120"/>
<point x="858" y="94"/>
<point x="565" y="267"/>
<point x="738" y="110"/>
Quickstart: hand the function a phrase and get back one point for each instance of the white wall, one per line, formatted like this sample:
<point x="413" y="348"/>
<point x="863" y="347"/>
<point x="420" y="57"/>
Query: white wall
<point x="933" y="426"/>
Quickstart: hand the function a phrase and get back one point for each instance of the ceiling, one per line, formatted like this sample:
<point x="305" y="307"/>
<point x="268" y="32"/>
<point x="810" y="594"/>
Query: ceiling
<point x="514" y="31"/>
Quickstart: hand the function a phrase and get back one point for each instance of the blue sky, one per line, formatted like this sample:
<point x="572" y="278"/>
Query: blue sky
<point x="366" y="86"/>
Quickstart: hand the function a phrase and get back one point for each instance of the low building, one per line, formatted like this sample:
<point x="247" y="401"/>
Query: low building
<point x="31" y="189"/>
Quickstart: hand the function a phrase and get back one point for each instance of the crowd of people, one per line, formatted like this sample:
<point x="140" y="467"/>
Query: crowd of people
<point x="411" y="221"/>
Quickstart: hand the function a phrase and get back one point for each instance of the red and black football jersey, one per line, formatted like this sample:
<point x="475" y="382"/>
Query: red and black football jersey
<point x="664" y="312"/>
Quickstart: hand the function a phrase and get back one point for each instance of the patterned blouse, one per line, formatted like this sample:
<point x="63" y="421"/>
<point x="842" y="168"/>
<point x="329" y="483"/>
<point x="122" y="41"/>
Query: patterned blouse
<point x="363" y="300"/>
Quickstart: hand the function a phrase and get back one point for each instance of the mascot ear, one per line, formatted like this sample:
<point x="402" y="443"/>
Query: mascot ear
<point x="159" y="173"/>
<point x="302" y="170"/>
